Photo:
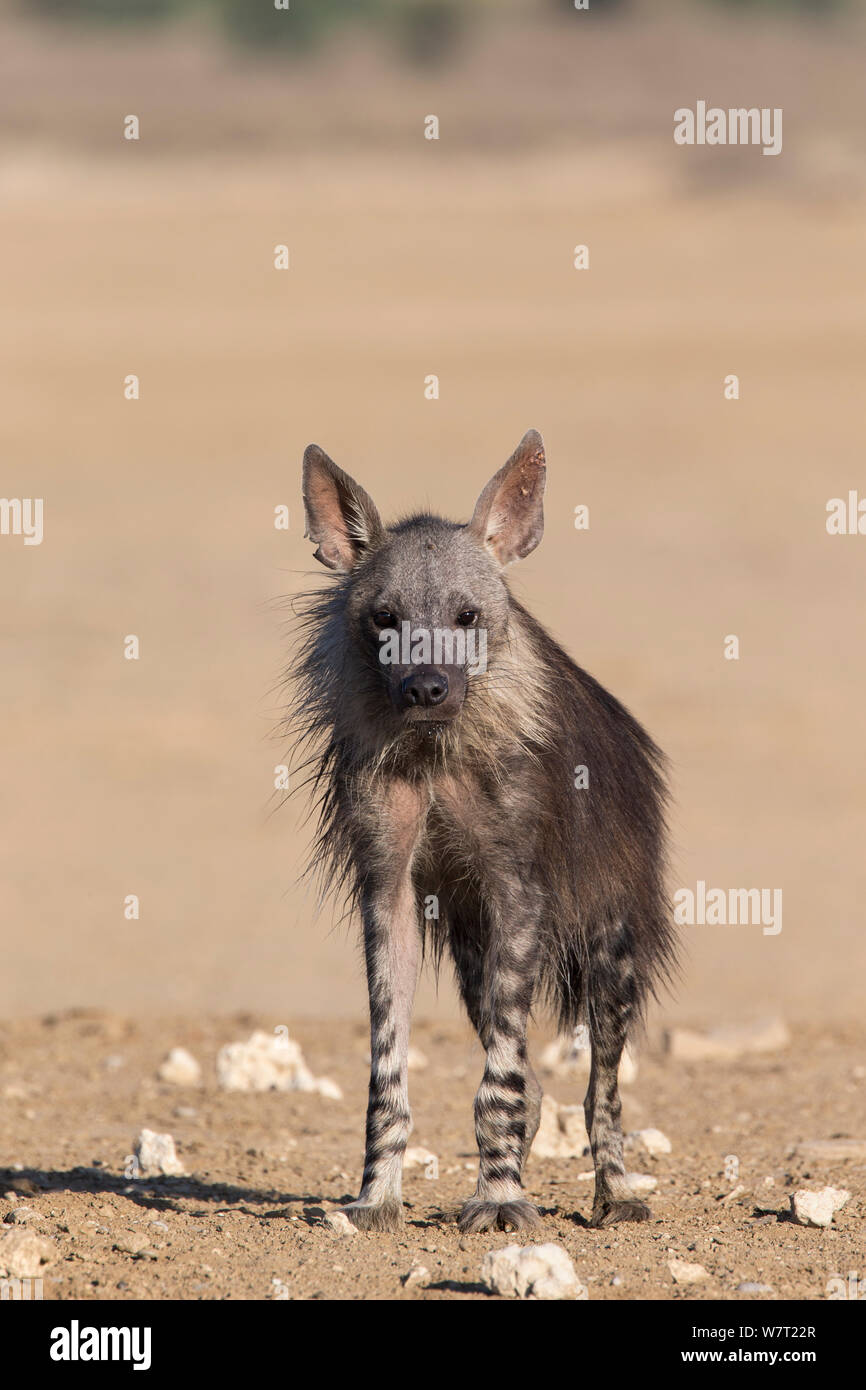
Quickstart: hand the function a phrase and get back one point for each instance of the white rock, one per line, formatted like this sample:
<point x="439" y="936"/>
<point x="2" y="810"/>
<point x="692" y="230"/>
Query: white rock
<point x="572" y="1057"/>
<point x="831" y="1150"/>
<point x="641" y="1183"/>
<point x="818" y="1208"/>
<point x="418" y="1157"/>
<point x="734" y="1195"/>
<point x="418" y="1277"/>
<point x="684" y="1273"/>
<point x="132" y="1244"/>
<point x="562" y="1131"/>
<point x="19" y="1216"/>
<point x="532" y="1272"/>
<point x="727" y="1043"/>
<point x="749" y="1287"/>
<point x="180" y="1068"/>
<point x="328" y="1088"/>
<point x="270" y="1062"/>
<point x="339" y="1223"/>
<point x="23" y="1253"/>
<point x="572" y="1123"/>
<point x="156" y="1155"/>
<point x="652" y="1140"/>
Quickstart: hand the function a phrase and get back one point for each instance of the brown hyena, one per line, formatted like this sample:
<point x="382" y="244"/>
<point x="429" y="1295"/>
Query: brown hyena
<point x="442" y="727"/>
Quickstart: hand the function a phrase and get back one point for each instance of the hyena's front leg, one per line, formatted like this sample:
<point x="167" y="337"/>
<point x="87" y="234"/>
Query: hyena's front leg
<point x="498" y="991"/>
<point x="612" y="1003"/>
<point x="392" y="946"/>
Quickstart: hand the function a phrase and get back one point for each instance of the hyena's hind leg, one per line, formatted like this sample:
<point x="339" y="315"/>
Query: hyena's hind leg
<point x="497" y="987"/>
<point x="613" y="1001"/>
<point x="392" y="947"/>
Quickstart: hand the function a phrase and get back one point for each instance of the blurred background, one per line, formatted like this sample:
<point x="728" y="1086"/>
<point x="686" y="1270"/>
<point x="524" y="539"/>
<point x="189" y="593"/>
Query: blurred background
<point x="411" y="257"/>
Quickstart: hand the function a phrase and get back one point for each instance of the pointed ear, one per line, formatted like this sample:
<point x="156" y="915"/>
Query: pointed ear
<point x="509" y="516"/>
<point x="342" y="520"/>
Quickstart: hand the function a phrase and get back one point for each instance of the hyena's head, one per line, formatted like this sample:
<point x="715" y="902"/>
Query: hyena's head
<point x="424" y="607"/>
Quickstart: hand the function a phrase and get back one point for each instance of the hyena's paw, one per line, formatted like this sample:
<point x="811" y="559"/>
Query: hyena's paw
<point x="383" y="1216"/>
<point x="609" y="1211"/>
<point x="478" y="1215"/>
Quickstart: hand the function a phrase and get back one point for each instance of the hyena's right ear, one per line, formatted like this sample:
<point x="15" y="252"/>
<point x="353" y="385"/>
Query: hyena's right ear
<point x="342" y="521"/>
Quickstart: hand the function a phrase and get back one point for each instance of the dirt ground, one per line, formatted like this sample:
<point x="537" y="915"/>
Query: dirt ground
<point x="265" y="1167"/>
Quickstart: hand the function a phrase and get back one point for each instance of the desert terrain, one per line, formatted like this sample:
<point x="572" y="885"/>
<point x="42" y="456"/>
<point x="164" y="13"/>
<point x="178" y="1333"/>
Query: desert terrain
<point x="263" y="1170"/>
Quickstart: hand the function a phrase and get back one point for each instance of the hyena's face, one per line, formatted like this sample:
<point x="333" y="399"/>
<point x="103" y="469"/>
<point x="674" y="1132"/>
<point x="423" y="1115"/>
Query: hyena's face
<point x="427" y="608"/>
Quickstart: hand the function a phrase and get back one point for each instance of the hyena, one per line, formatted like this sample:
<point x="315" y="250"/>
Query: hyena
<point x="453" y="786"/>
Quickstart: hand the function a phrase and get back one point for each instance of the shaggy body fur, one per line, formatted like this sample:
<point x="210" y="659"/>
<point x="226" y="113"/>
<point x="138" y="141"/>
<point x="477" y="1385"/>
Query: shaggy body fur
<point x="545" y="892"/>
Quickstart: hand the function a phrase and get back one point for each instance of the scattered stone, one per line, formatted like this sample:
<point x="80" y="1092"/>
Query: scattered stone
<point x="156" y="1155"/>
<point x="831" y="1150"/>
<point x="339" y="1223"/>
<point x="270" y="1062"/>
<point x="728" y="1197"/>
<point x="572" y="1057"/>
<point x="684" y="1273"/>
<point x="749" y="1287"/>
<point x="817" y="1208"/>
<point x="652" y="1140"/>
<point x="416" y="1061"/>
<point x="19" y="1216"/>
<point x="641" y="1184"/>
<point x="132" y="1244"/>
<point x="23" y="1253"/>
<point x="532" y="1272"/>
<point x="727" y="1043"/>
<point x="180" y="1068"/>
<point x="562" y="1131"/>
<point x="418" y="1277"/>
<point x="418" y="1157"/>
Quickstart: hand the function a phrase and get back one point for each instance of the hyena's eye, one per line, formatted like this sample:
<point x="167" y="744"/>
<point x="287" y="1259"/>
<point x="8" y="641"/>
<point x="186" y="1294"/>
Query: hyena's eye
<point x="383" y="617"/>
<point x="468" y="618"/>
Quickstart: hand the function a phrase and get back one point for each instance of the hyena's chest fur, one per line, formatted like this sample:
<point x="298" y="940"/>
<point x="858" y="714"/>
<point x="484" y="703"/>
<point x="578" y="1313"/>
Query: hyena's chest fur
<point x="461" y="840"/>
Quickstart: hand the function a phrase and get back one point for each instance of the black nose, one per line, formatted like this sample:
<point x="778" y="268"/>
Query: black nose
<point x="424" y="687"/>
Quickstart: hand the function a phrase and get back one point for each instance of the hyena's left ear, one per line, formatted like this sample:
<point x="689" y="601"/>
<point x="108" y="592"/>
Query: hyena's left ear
<point x="509" y="515"/>
<point x="342" y="520"/>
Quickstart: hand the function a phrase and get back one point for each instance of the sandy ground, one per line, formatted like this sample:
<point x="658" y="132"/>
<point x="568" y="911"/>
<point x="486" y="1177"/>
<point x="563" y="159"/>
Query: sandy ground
<point x="264" y="1169"/>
